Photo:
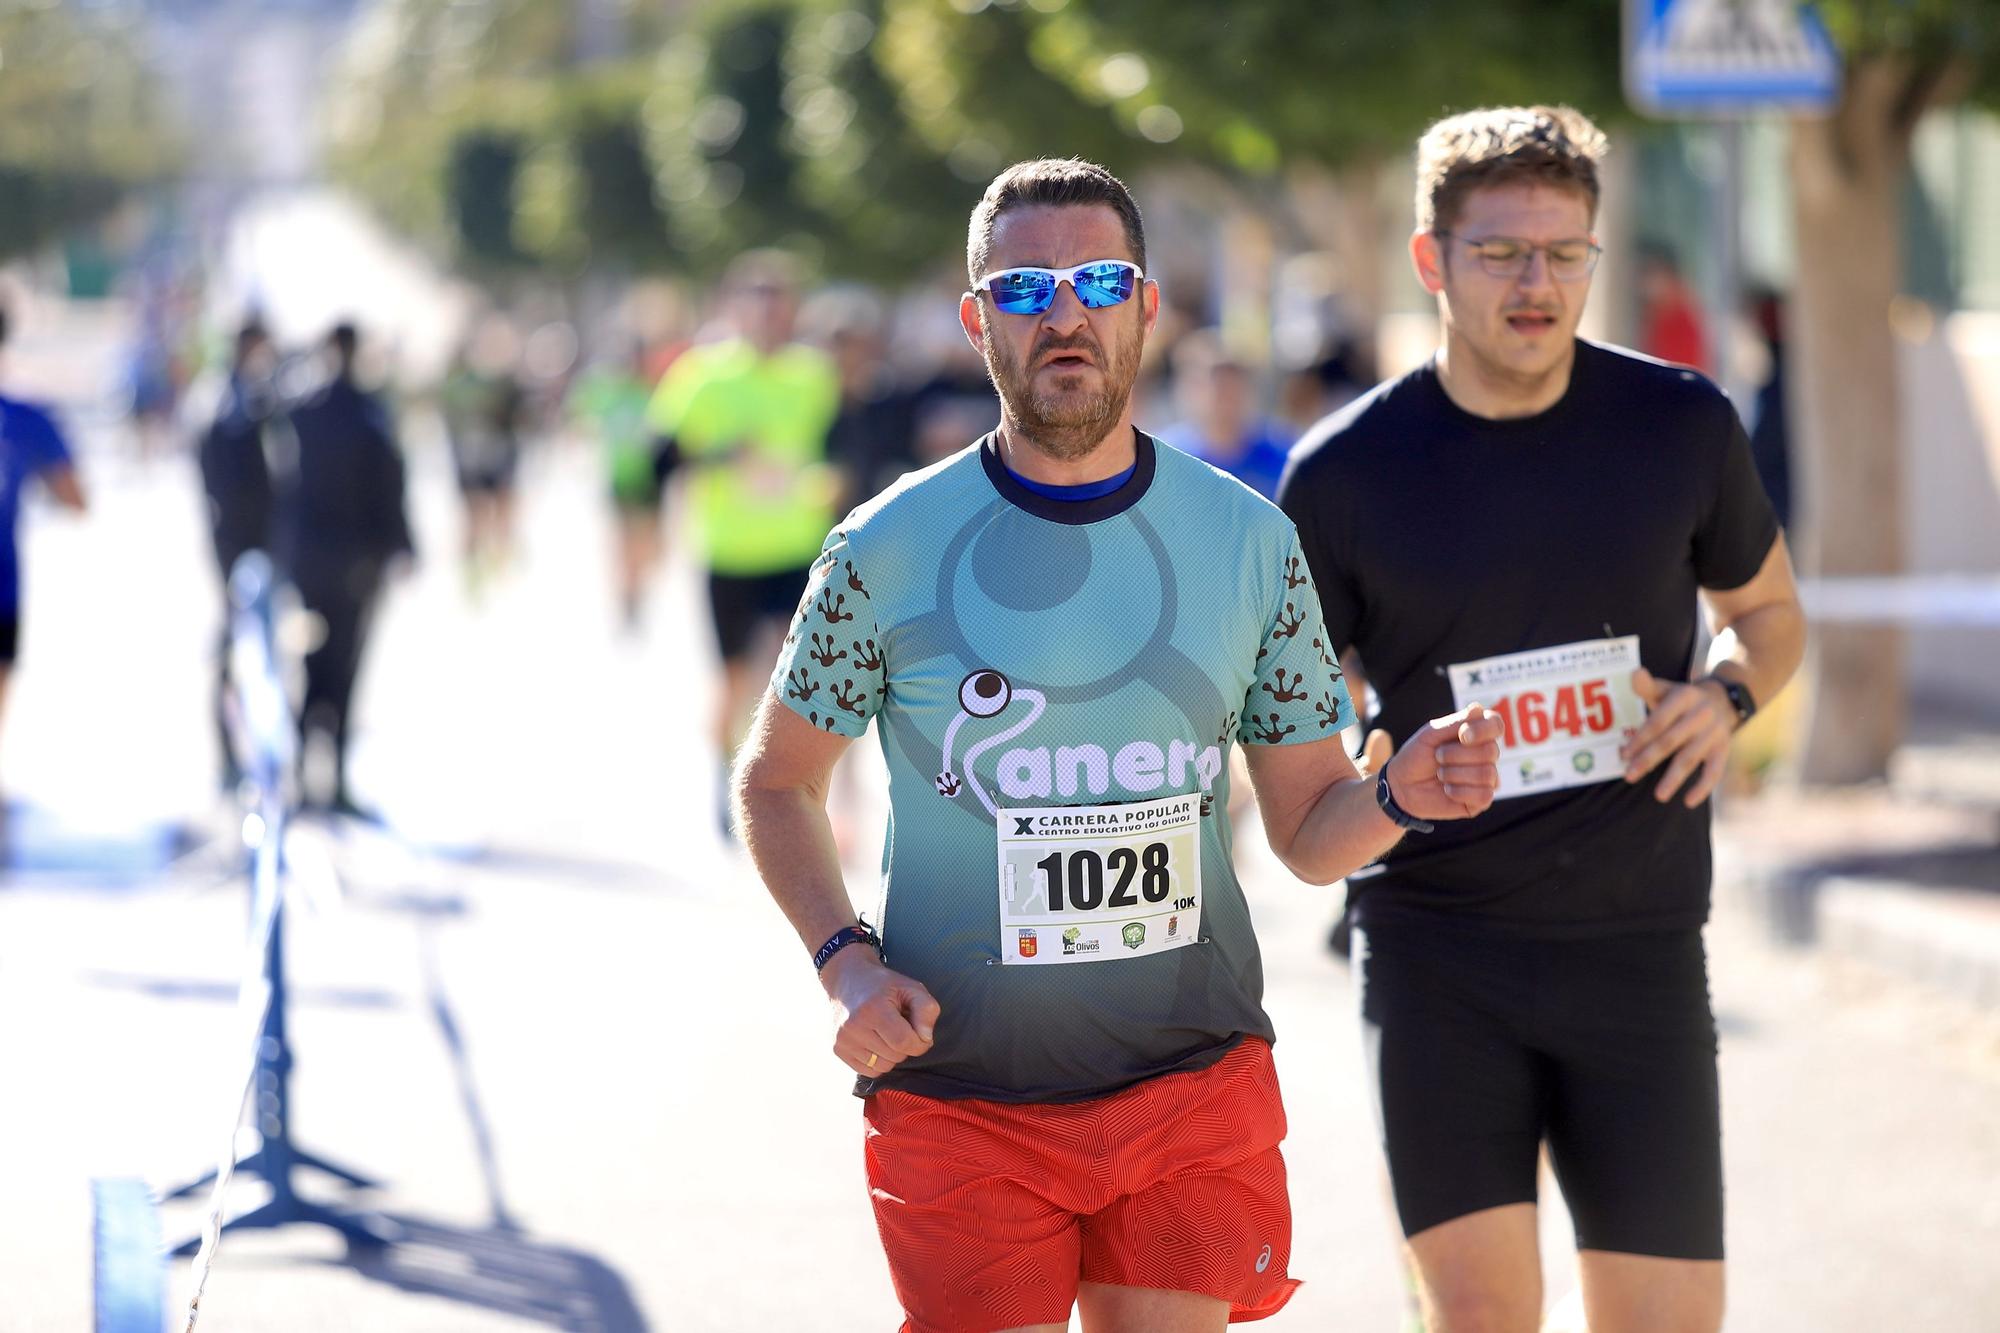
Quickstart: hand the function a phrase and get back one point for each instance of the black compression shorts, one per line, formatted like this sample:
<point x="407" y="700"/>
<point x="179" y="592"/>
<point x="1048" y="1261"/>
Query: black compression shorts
<point x="10" y="639"/>
<point x="741" y="603"/>
<point x="1482" y="1046"/>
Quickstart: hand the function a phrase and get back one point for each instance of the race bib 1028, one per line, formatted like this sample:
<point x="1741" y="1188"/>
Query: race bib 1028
<point x="1092" y="883"/>
<point x="1565" y="711"/>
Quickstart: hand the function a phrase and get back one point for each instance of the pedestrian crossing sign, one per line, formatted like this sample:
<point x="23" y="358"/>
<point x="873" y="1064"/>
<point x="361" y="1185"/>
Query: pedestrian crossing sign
<point x="1728" y="57"/>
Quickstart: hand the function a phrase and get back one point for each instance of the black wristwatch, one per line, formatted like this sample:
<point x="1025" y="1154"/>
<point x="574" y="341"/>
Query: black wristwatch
<point x="1397" y="814"/>
<point x="1740" y="697"/>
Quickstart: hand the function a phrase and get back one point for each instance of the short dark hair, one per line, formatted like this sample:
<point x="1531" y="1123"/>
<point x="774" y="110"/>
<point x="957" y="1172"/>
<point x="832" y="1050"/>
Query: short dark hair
<point x="251" y="335"/>
<point x="1059" y="182"/>
<point x="1504" y="145"/>
<point x="344" y="339"/>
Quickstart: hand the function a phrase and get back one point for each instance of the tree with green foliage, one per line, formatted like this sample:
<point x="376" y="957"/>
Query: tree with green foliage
<point x="784" y="124"/>
<point x="1253" y="87"/>
<point x="1272" y="103"/>
<point x="893" y="205"/>
<point x="493" y="135"/>
<point x="985" y="87"/>
<point x="81" y="124"/>
<point x="718" y="130"/>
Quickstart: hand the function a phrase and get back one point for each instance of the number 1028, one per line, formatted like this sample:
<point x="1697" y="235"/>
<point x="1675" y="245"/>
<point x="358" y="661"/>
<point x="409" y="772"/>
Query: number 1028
<point x="1084" y="877"/>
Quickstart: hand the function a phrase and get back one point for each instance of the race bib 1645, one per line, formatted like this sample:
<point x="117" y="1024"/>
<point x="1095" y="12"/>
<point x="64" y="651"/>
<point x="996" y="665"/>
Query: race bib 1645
<point x="1565" y="711"/>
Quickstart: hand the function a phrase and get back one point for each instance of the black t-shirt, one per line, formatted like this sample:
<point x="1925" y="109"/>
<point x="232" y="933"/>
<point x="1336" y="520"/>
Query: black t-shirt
<point x="1438" y="537"/>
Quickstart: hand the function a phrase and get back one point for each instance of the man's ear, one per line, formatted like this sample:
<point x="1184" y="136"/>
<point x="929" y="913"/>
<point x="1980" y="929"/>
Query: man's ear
<point x="968" y="321"/>
<point x="1149" y="300"/>
<point x="1427" y="257"/>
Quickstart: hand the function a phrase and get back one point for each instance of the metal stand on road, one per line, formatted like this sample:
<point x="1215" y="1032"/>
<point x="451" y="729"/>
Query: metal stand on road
<point x="276" y="1155"/>
<point x="265" y="721"/>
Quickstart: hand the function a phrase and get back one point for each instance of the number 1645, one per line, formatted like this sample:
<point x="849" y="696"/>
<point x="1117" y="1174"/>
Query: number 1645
<point x="1532" y="716"/>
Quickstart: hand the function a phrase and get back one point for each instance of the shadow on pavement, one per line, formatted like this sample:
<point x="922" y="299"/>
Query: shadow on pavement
<point x="496" y="1267"/>
<point x="542" y="864"/>
<point x="468" y="1091"/>
<point x="527" y="860"/>
<point x="1969" y="866"/>
<point x="499" y="1269"/>
<point x="228" y="992"/>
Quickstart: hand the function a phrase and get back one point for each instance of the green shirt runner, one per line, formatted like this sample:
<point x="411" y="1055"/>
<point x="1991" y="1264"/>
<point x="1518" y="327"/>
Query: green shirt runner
<point x="753" y="430"/>
<point x="612" y="403"/>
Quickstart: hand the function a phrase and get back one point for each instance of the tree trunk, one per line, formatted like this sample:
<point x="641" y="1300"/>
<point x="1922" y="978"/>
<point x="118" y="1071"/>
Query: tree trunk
<point x="1847" y="172"/>
<point x="1343" y="214"/>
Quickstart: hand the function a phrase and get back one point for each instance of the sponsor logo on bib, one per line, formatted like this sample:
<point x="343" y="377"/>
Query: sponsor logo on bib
<point x="1074" y="942"/>
<point x="1028" y="945"/>
<point x="1134" y="934"/>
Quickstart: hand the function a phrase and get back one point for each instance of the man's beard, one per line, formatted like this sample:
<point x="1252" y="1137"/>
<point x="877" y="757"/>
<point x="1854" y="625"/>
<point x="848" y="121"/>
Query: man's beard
<point x="1065" y="426"/>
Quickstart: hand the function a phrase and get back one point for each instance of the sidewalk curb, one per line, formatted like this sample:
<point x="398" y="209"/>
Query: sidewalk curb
<point x="1944" y="938"/>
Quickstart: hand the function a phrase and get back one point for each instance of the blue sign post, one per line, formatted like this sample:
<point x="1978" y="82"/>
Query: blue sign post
<point x="1722" y="60"/>
<point x="1686" y="58"/>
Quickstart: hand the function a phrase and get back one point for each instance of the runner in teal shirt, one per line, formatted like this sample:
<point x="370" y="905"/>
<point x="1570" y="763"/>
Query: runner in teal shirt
<point x="1059" y="633"/>
<point x="1028" y="652"/>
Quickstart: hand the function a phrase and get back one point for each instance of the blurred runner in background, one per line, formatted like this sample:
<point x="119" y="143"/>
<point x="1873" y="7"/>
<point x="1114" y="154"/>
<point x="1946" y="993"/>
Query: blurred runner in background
<point x="1670" y="324"/>
<point x="744" y="421"/>
<point x="871" y="440"/>
<point x="1224" y="425"/>
<point x="31" y="449"/>
<point x="236" y="478"/>
<point x="485" y="414"/>
<point x="340" y="525"/>
<point x="609" y="401"/>
<point x="1770" y="431"/>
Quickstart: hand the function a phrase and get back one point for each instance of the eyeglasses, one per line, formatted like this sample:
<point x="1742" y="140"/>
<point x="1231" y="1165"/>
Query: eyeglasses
<point x="1509" y="257"/>
<point x="1031" y="291"/>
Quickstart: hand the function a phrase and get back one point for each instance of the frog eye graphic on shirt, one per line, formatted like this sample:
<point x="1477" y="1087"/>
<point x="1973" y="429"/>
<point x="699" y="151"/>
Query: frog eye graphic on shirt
<point x="984" y="693"/>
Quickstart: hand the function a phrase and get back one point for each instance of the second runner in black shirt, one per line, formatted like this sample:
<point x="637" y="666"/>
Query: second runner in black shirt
<point x="1595" y="519"/>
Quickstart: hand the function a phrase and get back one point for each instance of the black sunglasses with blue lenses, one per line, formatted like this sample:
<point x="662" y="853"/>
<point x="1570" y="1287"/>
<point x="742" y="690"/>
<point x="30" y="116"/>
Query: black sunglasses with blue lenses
<point x="1031" y="291"/>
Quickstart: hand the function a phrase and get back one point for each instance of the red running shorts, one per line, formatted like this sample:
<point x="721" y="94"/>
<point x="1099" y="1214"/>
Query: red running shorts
<point x="992" y="1212"/>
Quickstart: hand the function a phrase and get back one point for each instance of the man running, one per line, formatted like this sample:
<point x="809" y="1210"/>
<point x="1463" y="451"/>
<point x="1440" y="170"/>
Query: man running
<point x="609" y="400"/>
<point x="340" y="529"/>
<point x="236" y="479"/>
<point x="1059" y="1031"/>
<point x="31" y="449"/>
<point x="1536" y="975"/>
<point x="745" y="420"/>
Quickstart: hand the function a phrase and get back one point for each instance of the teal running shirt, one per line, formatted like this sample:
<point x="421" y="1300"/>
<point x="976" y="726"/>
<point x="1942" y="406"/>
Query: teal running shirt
<point x="1057" y="685"/>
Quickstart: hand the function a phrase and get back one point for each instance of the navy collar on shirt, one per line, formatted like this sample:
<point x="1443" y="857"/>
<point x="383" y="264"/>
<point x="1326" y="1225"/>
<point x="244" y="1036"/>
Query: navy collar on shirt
<point x="1125" y="490"/>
